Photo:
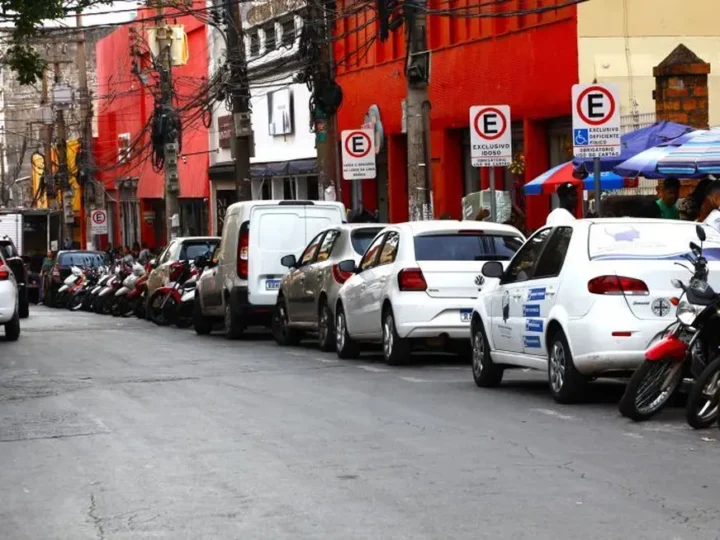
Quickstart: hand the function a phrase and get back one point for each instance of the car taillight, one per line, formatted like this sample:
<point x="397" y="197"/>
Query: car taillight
<point x="617" y="285"/>
<point x="243" y="254"/>
<point x="4" y="273"/>
<point x="340" y="276"/>
<point x="411" y="279"/>
<point x="56" y="271"/>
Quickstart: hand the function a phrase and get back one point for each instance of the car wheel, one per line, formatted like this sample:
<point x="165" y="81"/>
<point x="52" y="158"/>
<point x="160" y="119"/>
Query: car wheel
<point x="486" y="373"/>
<point x="24" y="304"/>
<point x="283" y="334"/>
<point x="234" y="326"/>
<point x="566" y="382"/>
<point x="345" y="346"/>
<point x="203" y="325"/>
<point x="396" y="350"/>
<point x="326" y="328"/>
<point x="12" y="328"/>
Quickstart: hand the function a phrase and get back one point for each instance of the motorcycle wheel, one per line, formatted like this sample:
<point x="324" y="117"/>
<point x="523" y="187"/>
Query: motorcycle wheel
<point x="157" y="312"/>
<point x="108" y="304"/>
<point x="650" y="388"/>
<point x="703" y="406"/>
<point x="76" y="302"/>
<point x="117" y="307"/>
<point x="184" y="318"/>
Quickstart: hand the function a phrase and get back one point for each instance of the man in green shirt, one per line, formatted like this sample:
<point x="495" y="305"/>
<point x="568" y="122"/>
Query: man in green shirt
<point x="669" y="192"/>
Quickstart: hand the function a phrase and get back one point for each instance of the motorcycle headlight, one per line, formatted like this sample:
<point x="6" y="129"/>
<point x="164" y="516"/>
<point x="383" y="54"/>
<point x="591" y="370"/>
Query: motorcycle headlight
<point x="687" y="313"/>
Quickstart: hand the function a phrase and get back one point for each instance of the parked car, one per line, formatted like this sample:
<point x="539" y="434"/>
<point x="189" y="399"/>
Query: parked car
<point x="64" y="262"/>
<point x="241" y="281"/>
<point x="9" y="300"/>
<point x="583" y="299"/>
<point x="307" y="296"/>
<point x="185" y="249"/>
<point x="19" y="269"/>
<point x="418" y="281"/>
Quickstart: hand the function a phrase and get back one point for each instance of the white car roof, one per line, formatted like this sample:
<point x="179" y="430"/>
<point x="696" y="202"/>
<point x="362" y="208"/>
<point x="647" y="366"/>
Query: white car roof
<point x="439" y="225"/>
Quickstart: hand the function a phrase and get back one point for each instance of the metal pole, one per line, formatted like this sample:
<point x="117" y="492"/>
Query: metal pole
<point x="493" y="202"/>
<point x="62" y="155"/>
<point x="596" y="173"/>
<point x="4" y="195"/>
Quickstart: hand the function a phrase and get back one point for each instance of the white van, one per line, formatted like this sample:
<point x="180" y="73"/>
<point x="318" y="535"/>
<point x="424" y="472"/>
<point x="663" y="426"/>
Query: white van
<point x="241" y="281"/>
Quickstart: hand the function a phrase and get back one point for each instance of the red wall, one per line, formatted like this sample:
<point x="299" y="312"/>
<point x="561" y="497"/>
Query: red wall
<point x="528" y="62"/>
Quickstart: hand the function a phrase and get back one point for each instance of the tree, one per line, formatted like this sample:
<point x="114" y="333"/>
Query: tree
<point x="26" y="18"/>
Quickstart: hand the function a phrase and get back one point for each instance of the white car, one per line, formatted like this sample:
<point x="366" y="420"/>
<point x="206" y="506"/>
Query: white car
<point x="418" y="280"/>
<point x="9" y="314"/>
<point x="583" y="299"/>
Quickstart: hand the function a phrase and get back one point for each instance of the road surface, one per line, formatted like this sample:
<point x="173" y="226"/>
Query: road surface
<point x="117" y="429"/>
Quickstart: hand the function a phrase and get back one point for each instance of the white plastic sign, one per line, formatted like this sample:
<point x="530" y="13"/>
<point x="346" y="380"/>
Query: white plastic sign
<point x="358" y="154"/>
<point x="98" y="222"/>
<point x="596" y="120"/>
<point x="490" y="136"/>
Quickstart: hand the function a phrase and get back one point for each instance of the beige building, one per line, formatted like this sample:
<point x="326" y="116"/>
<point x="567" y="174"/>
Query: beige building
<point x="620" y="41"/>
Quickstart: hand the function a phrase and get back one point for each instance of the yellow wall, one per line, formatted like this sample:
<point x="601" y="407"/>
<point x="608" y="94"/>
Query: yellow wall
<point x="620" y="41"/>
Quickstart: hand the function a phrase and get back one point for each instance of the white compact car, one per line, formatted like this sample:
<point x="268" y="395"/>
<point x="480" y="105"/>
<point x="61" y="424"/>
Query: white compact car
<point x="582" y="300"/>
<point x="418" y="280"/>
<point x="9" y="314"/>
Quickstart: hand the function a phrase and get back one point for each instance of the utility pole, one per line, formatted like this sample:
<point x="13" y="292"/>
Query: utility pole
<point x="172" y="181"/>
<point x="240" y="89"/>
<point x="47" y="142"/>
<point x="417" y="73"/>
<point x="61" y="144"/>
<point x="4" y="195"/>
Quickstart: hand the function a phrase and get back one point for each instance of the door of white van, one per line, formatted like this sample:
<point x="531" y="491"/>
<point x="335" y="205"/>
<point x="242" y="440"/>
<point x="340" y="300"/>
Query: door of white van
<point x="279" y="230"/>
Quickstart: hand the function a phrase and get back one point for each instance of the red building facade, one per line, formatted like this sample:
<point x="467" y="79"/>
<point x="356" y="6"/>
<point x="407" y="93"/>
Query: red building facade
<point x="135" y="191"/>
<point x="527" y="61"/>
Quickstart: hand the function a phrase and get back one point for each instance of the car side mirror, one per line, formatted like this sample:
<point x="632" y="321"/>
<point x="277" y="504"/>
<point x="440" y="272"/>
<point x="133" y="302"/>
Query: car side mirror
<point x="289" y="261"/>
<point x="348" y="266"/>
<point x="493" y="269"/>
<point x="700" y="231"/>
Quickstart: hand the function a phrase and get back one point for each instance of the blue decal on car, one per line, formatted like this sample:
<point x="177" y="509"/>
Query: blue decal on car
<point x="534" y="325"/>
<point x="532" y="342"/>
<point x="531" y="310"/>
<point x="536" y="294"/>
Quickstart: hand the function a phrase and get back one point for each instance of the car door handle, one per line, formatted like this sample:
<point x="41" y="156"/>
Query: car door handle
<point x="517" y="296"/>
<point x="549" y="292"/>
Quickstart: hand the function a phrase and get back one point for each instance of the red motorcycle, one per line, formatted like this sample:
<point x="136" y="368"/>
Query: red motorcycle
<point x="164" y="302"/>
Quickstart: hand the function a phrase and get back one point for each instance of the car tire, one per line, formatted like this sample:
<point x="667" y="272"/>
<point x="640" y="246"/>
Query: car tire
<point x="396" y="350"/>
<point x="234" y="326"/>
<point x="284" y="335"/>
<point x="326" y="328"/>
<point x="203" y="326"/>
<point x="566" y="383"/>
<point x="24" y="303"/>
<point x="12" y="328"/>
<point x="345" y="346"/>
<point x="486" y="373"/>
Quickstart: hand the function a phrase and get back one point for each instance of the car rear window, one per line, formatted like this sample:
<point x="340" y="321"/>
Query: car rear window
<point x="82" y="258"/>
<point x="8" y="250"/>
<point x="193" y="250"/>
<point x="466" y="247"/>
<point x="362" y="238"/>
<point x="640" y="240"/>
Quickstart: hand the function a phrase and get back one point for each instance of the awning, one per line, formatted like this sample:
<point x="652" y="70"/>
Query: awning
<point x="297" y="167"/>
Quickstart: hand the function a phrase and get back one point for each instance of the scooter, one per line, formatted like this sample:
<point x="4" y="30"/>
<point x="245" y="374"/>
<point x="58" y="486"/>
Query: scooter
<point x="63" y="293"/>
<point x="122" y="306"/>
<point x="164" y="301"/>
<point x="184" y="314"/>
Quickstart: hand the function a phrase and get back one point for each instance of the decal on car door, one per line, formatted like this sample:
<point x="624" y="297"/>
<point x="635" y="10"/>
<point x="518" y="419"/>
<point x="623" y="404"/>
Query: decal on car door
<point x="536" y="294"/>
<point x="532" y="342"/>
<point x="534" y="325"/>
<point x="531" y="310"/>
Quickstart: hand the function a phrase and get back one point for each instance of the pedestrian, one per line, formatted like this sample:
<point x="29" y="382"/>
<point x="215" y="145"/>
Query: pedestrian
<point x="668" y="195"/>
<point x="709" y="212"/>
<point x="145" y="255"/>
<point x="689" y="207"/>
<point x="565" y="213"/>
<point x="45" y="270"/>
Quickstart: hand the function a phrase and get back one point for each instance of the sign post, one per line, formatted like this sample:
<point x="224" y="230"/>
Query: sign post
<point x="358" y="154"/>
<point x="98" y="222"/>
<point x="490" y="142"/>
<point x="596" y="126"/>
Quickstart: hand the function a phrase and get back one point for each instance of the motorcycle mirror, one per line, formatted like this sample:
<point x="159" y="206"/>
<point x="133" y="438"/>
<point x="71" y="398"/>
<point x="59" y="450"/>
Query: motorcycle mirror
<point x="695" y="248"/>
<point x="677" y="283"/>
<point x="700" y="231"/>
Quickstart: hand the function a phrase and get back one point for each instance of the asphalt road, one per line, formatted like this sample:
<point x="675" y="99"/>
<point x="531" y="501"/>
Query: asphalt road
<point x="117" y="429"/>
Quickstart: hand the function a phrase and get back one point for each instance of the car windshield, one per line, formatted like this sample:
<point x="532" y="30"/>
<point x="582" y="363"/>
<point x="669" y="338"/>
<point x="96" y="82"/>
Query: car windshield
<point x="643" y="240"/>
<point x="362" y="238"/>
<point x="466" y="247"/>
<point x="82" y="258"/>
<point x="192" y="251"/>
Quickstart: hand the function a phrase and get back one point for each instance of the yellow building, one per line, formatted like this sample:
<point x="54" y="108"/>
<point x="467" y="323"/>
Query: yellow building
<point x="620" y="41"/>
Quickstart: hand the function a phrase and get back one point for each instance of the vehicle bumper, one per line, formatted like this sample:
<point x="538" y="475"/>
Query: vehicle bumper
<point x="241" y="306"/>
<point x="596" y="350"/>
<point x="8" y="301"/>
<point x="419" y="316"/>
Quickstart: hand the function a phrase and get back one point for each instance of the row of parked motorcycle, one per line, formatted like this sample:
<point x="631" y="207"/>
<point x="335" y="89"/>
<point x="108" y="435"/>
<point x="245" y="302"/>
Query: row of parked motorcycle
<point x="121" y="289"/>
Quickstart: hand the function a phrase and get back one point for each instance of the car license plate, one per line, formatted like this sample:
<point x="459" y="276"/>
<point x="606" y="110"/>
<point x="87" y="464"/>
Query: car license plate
<point x="465" y="315"/>
<point x="272" y="284"/>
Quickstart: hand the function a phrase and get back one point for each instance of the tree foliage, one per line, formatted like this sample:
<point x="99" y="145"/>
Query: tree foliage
<point x="24" y="20"/>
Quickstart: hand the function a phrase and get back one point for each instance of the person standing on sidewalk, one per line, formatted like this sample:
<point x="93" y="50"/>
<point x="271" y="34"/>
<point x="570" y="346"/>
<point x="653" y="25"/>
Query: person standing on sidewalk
<point x="45" y="270"/>
<point x="565" y="213"/>
<point x="668" y="195"/>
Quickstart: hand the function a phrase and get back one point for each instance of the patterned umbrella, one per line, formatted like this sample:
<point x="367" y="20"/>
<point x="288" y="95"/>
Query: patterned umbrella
<point x="550" y="180"/>
<point x="695" y="158"/>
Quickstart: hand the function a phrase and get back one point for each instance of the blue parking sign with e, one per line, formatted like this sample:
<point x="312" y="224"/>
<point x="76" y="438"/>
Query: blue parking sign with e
<point x="581" y="137"/>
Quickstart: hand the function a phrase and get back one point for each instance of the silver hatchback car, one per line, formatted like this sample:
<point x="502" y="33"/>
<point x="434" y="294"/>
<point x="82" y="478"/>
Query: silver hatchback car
<point x="307" y="294"/>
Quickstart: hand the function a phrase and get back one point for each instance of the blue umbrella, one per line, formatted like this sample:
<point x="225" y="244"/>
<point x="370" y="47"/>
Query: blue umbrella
<point x="695" y="158"/>
<point x="550" y="180"/>
<point x="635" y="142"/>
<point x="645" y="163"/>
